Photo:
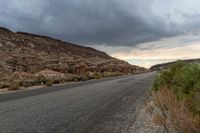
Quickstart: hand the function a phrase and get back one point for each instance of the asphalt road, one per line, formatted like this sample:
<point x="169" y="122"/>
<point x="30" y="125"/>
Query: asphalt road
<point x="103" y="106"/>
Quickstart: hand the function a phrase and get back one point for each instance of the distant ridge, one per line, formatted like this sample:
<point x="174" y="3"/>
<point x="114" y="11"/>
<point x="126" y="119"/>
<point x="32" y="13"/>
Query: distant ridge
<point x="166" y="65"/>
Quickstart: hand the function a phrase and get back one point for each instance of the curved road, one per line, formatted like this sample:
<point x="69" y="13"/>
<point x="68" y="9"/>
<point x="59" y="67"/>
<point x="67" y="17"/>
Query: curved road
<point x="103" y="106"/>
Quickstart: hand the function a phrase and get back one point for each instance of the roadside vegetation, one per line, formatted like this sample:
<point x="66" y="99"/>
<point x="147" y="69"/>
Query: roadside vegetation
<point x="177" y="95"/>
<point x="13" y="84"/>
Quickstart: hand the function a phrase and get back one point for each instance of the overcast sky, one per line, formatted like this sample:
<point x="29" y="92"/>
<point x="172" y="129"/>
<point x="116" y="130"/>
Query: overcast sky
<point x="143" y="32"/>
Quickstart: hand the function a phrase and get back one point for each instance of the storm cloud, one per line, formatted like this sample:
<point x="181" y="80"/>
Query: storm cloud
<point x="107" y="22"/>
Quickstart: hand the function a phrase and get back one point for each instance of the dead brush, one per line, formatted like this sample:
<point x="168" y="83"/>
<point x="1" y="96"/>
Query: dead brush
<point x="175" y="113"/>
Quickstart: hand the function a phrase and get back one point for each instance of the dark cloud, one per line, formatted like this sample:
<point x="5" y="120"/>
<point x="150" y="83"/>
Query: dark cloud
<point x="110" y="22"/>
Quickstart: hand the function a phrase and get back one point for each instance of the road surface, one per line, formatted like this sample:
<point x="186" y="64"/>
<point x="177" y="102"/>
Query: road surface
<point x="103" y="106"/>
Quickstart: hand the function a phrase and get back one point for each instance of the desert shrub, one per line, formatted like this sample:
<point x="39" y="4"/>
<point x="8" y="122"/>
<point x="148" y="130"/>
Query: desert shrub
<point x="84" y="78"/>
<point x="72" y="78"/>
<point x="115" y="74"/>
<point x="97" y="75"/>
<point x="69" y="79"/>
<point x="4" y="85"/>
<point x="183" y="81"/>
<point x="28" y="83"/>
<point x="58" y="80"/>
<point x="49" y="82"/>
<point x="77" y="78"/>
<point x="14" y="86"/>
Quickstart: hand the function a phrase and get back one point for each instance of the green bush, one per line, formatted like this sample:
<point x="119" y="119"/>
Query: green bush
<point x="97" y="75"/>
<point x="49" y="82"/>
<point x="183" y="79"/>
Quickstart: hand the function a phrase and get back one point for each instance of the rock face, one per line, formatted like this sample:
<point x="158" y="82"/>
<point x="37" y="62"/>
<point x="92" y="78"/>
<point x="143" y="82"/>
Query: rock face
<point x="24" y="52"/>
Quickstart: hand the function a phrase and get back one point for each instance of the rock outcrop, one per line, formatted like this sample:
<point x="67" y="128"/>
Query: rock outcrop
<point x="29" y="53"/>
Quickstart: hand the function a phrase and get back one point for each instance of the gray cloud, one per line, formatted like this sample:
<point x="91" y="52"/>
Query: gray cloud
<point x="110" y="22"/>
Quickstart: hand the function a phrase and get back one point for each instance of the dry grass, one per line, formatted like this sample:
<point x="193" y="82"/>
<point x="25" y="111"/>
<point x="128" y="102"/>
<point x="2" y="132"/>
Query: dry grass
<point x="159" y="120"/>
<point x="175" y="113"/>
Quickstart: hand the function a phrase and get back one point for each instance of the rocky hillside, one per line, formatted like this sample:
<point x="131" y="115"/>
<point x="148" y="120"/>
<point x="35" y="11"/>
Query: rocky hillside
<point x="24" y="52"/>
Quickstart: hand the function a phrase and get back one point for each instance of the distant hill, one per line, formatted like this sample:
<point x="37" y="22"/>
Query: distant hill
<point x="25" y="52"/>
<point x="166" y="65"/>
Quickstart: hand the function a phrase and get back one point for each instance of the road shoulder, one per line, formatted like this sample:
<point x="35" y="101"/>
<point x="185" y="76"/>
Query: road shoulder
<point x="144" y="119"/>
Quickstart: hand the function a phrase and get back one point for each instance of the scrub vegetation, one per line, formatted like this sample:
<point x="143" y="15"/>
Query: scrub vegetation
<point x="17" y="83"/>
<point x="177" y="94"/>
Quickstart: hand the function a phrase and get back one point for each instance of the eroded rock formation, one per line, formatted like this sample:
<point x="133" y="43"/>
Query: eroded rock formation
<point x="24" y="52"/>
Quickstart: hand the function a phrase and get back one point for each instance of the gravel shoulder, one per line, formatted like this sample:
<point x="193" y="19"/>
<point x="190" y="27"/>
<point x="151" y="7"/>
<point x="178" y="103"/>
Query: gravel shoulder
<point x="144" y="119"/>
